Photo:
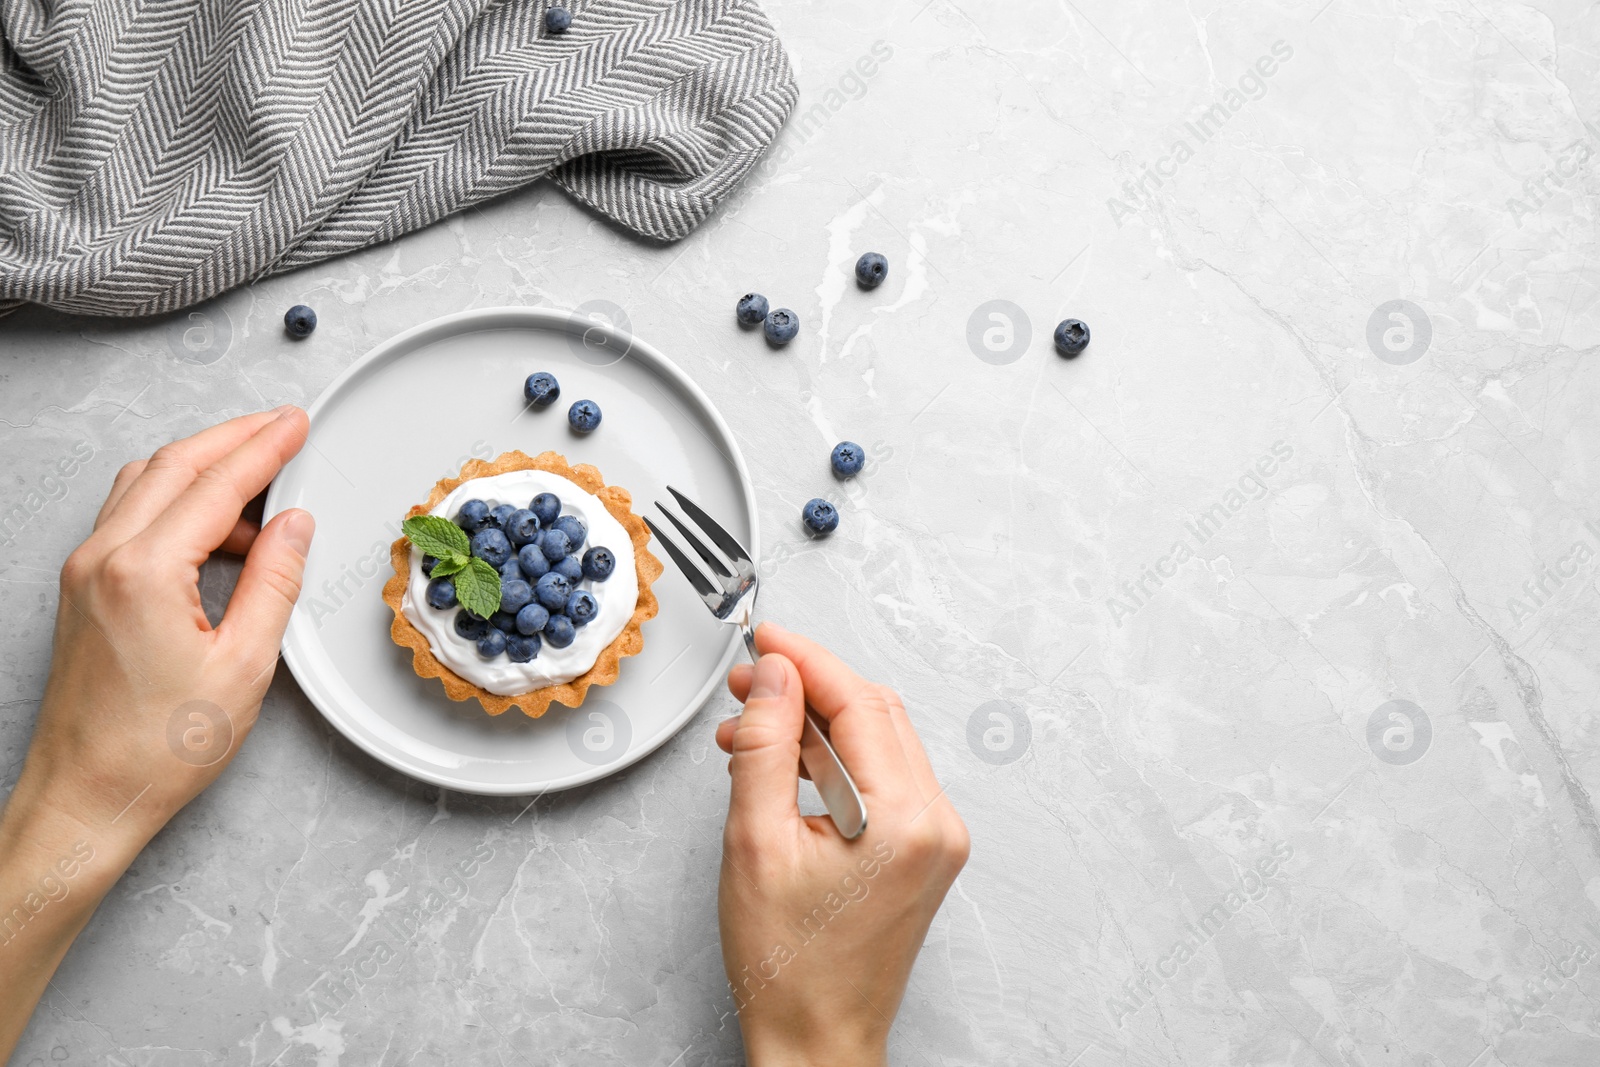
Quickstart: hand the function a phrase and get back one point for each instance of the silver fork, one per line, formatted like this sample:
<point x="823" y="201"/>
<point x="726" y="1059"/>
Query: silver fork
<point x="732" y="598"/>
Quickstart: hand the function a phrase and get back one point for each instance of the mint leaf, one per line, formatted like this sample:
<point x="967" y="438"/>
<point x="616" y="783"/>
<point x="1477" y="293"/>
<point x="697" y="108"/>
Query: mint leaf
<point x="436" y="536"/>
<point x="478" y="588"/>
<point x="450" y="565"/>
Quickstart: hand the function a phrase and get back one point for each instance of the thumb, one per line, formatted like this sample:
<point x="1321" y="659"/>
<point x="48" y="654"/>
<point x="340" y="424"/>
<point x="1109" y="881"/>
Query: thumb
<point x="766" y="750"/>
<point x="268" y="587"/>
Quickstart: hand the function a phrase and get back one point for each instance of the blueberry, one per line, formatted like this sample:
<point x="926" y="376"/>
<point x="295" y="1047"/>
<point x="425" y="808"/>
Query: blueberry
<point x="492" y="644"/>
<point x="751" y="309"/>
<point x="442" y="594"/>
<point x="871" y="270"/>
<point x="541" y="389"/>
<point x="584" y="415"/>
<point x="500" y="514"/>
<point x="782" y="325"/>
<point x="531" y="559"/>
<point x="299" y="321"/>
<point x="1072" y="337"/>
<point x="491" y="546"/>
<point x="552" y="591"/>
<point x="820" y="516"/>
<point x="557" y="19"/>
<point x="554" y="544"/>
<point x="470" y="626"/>
<point x="582" y="608"/>
<point x="559" y="631"/>
<point x="520" y="649"/>
<point x="504" y="621"/>
<point x="547" y="506"/>
<point x="522" y="527"/>
<point x="847" y="459"/>
<point x="511" y="571"/>
<point x="531" y="619"/>
<point x="514" y="595"/>
<point x="473" y="516"/>
<point x="573" y="528"/>
<point x="569" y="568"/>
<point x="428" y="563"/>
<point x="598" y="563"/>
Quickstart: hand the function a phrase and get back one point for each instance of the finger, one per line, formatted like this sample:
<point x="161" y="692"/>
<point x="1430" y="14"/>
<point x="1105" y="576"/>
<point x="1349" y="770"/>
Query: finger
<point x="173" y="468"/>
<point x="916" y="755"/>
<point x="739" y="681"/>
<point x="205" y="513"/>
<point x="119" y="487"/>
<point x="258" y="613"/>
<point x="857" y="713"/>
<point x="725" y="730"/>
<point x="240" y="538"/>
<point x="766" y="752"/>
<point x="830" y="684"/>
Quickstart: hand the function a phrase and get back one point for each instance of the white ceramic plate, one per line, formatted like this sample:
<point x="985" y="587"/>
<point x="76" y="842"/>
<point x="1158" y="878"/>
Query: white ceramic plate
<point x="389" y="428"/>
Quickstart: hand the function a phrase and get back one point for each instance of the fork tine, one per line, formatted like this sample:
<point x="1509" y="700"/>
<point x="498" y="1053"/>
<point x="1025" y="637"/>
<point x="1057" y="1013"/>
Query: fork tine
<point x="722" y="538"/>
<point x="701" y="583"/>
<point x="695" y="543"/>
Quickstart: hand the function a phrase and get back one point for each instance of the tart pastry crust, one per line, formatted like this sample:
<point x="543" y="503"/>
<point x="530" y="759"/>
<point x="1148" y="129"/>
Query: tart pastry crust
<point x="627" y="643"/>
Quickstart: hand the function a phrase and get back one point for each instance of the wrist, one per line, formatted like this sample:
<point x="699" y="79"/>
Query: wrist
<point x="767" y="1046"/>
<point x="54" y="827"/>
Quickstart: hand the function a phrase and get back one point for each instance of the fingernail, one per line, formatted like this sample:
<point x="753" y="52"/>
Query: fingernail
<point x="769" y="680"/>
<point x="297" y="531"/>
<point x="286" y="409"/>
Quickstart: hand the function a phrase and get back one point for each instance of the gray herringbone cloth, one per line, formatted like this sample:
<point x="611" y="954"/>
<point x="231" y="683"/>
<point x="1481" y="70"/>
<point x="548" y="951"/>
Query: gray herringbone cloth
<point x="154" y="153"/>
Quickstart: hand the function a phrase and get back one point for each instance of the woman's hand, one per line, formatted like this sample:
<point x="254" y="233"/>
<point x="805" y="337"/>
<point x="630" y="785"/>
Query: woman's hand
<point x="819" y="933"/>
<point x="146" y="701"/>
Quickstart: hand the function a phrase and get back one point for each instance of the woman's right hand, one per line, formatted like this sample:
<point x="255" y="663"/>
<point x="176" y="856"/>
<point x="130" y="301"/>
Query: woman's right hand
<point x="818" y="933"/>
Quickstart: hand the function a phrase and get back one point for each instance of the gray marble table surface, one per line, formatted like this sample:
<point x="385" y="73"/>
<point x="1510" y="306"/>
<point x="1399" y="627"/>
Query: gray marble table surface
<point x="1256" y="646"/>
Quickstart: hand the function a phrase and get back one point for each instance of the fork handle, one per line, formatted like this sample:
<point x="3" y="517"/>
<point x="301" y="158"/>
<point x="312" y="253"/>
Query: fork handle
<point x="834" y="784"/>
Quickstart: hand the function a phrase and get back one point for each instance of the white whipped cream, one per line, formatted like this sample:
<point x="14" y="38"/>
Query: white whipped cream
<point x="617" y="596"/>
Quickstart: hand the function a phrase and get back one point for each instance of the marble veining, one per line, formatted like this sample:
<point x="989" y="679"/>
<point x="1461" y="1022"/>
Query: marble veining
<point x="1256" y="645"/>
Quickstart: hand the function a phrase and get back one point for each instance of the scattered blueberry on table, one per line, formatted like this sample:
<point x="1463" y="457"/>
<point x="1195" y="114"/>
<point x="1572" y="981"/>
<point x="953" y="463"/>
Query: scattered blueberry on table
<point x="847" y="459"/>
<point x="782" y="326"/>
<point x="751" y="309"/>
<point x="557" y="20"/>
<point x="584" y="415"/>
<point x="1072" y="337"/>
<point x="871" y="270"/>
<point x="299" y="321"/>
<point x="541" y="389"/>
<point x="819" y="516"/>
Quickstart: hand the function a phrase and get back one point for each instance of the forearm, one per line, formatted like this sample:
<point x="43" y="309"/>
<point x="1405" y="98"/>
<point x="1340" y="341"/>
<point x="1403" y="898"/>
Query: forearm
<point x="56" y="864"/>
